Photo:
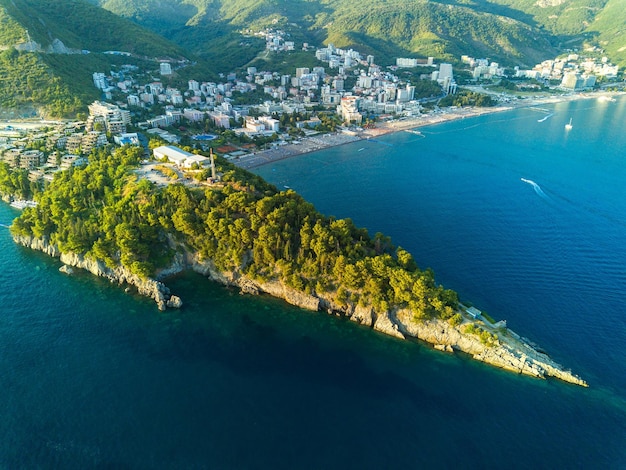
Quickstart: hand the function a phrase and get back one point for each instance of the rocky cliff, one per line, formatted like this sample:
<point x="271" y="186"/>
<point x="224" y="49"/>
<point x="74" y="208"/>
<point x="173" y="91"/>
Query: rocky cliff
<point x="510" y="353"/>
<point x="152" y="288"/>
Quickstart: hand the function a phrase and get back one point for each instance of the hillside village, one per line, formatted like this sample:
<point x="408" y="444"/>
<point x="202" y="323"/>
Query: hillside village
<point x="346" y="94"/>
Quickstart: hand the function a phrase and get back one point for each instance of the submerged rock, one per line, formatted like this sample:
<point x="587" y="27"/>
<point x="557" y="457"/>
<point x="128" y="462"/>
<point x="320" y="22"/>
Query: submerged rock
<point x="174" y="302"/>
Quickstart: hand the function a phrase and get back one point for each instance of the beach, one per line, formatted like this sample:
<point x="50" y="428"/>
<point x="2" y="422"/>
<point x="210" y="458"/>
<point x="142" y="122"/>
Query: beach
<point x="322" y="141"/>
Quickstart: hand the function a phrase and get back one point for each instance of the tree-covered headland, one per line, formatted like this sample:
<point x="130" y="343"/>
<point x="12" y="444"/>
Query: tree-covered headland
<point x="243" y="224"/>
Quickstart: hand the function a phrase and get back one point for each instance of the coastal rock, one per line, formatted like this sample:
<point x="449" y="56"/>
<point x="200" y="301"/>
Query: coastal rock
<point x="292" y="296"/>
<point x="177" y="266"/>
<point x="147" y="287"/>
<point x="39" y="244"/>
<point x="385" y="325"/>
<point x="248" y="287"/>
<point x="174" y="302"/>
<point x="511" y="352"/>
<point x="66" y="269"/>
<point x="363" y="315"/>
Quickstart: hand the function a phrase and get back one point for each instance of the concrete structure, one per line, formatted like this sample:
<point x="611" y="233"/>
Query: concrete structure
<point x="473" y="312"/>
<point x="115" y="119"/>
<point x="127" y="139"/>
<point x="165" y="68"/>
<point x="349" y="109"/>
<point x="178" y="156"/>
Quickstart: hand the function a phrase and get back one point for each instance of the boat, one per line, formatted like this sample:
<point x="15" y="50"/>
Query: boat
<point x="568" y="126"/>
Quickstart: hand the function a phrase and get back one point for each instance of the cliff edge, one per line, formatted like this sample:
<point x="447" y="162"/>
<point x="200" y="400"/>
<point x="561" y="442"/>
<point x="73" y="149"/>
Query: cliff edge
<point x="508" y="352"/>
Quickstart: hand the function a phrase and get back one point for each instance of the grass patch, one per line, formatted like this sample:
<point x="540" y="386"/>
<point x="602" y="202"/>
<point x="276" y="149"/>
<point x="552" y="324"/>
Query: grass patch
<point x="487" y="317"/>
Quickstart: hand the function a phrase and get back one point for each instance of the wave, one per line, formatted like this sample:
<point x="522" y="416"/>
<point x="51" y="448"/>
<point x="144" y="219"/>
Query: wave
<point x="536" y="187"/>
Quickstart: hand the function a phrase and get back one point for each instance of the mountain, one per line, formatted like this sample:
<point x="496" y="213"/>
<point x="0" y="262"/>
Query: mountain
<point x="609" y="30"/>
<point x="45" y="67"/>
<point x="50" y="49"/>
<point x="515" y="32"/>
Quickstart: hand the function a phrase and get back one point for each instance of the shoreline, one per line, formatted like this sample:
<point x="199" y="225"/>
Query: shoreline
<point x="324" y="141"/>
<point x="509" y="351"/>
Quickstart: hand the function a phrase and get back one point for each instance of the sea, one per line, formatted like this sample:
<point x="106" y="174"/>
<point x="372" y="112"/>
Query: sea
<point x="522" y="217"/>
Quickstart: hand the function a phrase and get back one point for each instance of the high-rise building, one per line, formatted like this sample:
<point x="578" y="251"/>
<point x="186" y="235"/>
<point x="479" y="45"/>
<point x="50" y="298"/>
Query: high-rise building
<point x="445" y="71"/>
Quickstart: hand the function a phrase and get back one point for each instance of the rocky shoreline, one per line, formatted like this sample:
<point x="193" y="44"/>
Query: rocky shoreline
<point x="151" y="288"/>
<point x="510" y="352"/>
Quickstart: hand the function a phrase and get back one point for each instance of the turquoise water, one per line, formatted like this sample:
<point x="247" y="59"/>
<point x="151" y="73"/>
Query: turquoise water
<point x="91" y="377"/>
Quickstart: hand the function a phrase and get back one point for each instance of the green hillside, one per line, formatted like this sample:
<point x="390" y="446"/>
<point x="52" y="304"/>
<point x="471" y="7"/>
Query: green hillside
<point x="432" y="29"/>
<point x="81" y="25"/>
<point x="516" y="32"/>
<point x="609" y="30"/>
<point x="51" y="75"/>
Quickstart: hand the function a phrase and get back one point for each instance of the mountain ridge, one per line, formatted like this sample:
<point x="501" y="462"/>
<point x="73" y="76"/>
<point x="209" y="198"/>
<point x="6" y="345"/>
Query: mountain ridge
<point x="69" y="37"/>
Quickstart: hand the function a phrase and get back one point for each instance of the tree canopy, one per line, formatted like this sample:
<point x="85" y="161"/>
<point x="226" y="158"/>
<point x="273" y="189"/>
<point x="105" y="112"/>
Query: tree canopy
<point x="105" y="211"/>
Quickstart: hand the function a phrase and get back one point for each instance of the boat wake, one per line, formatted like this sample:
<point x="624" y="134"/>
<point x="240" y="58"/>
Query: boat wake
<point x="536" y="187"/>
<point x="3" y="225"/>
<point x="545" y="118"/>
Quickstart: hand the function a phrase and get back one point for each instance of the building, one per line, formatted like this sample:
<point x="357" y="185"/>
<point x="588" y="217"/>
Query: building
<point x="127" y="139"/>
<point x="193" y="114"/>
<point x="406" y="62"/>
<point x="572" y="81"/>
<point x="220" y="120"/>
<point x="349" y="109"/>
<point x="270" y="123"/>
<point x="445" y="71"/>
<point x="178" y="156"/>
<point x="115" y="119"/>
<point x="165" y="68"/>
<point x="73" y="143"/>
<point x="99" y="80"/>
<point x="91" y="140"/>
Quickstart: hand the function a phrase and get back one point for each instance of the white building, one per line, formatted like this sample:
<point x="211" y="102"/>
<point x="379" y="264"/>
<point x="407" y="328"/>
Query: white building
<point x="445" y="71"/>
<point x="115" y="119"/>
<point x="165" y="68"/>
<point x="99" y="80"/>
<point x="349" y="110"/>
<point x="270" y="123"/>
<point x="178" y="156"/>
<point x="406" y="62"/>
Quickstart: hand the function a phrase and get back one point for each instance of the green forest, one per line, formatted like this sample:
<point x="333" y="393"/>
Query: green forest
<point x="467" y="98"/>
<point x="26" y="81"/>
<point x="243" y="224"/>
<point x="15" y="183"/>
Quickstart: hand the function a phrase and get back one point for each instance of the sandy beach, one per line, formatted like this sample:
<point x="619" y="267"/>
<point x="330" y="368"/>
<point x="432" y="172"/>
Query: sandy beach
<point x="322" y="141"/>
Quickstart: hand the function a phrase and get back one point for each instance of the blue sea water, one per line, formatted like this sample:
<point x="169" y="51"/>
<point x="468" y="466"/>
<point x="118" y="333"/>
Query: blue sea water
<point x="91" y="377"/>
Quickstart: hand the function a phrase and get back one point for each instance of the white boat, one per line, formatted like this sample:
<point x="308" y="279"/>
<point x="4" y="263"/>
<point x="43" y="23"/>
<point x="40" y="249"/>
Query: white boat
<point x="568" y="126"/>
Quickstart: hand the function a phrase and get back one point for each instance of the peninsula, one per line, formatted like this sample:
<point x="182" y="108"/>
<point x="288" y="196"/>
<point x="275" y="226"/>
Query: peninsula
<point x="238" y="230"/>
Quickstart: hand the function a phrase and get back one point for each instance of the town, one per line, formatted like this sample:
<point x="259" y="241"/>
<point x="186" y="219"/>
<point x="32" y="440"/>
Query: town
<point x="254" y="116"/>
